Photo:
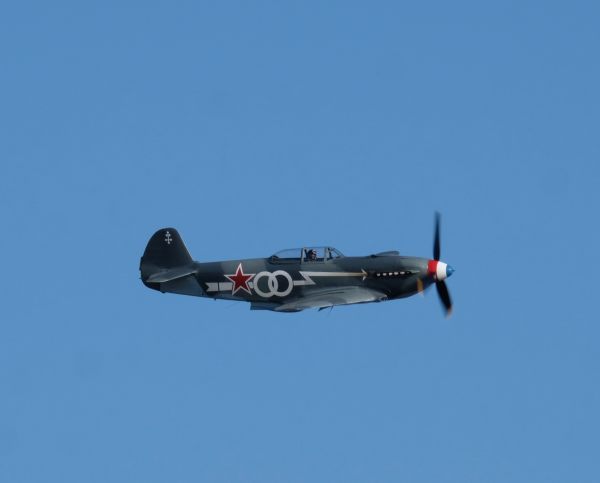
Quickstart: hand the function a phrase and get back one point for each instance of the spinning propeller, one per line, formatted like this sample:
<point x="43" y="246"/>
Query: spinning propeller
<point x="440" y="271"/>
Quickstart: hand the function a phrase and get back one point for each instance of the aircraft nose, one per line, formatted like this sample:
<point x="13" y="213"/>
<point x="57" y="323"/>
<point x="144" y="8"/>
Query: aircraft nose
<point x="439" y="270"/>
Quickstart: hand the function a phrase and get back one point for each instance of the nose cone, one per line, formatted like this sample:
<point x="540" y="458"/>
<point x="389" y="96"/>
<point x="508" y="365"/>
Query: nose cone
<point x="439" y="270"/>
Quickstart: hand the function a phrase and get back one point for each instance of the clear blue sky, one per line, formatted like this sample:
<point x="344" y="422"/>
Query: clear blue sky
<point x="252" y="127"/>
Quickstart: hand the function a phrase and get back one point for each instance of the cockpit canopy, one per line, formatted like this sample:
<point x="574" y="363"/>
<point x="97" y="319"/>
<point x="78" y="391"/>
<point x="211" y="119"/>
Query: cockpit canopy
<point x="307" y="254"/>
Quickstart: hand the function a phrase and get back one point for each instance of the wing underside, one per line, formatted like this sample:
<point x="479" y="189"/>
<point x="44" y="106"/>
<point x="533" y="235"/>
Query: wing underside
<point x="324" y="299"/>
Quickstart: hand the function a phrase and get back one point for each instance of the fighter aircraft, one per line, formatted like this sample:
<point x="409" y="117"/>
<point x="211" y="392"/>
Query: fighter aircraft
<point x="295" y="279"/>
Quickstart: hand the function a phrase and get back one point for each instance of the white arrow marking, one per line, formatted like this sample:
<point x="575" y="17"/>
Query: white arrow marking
<point x="307" y="275"/>
<point x="226" y="286"/>
<point x="218" y="286"/>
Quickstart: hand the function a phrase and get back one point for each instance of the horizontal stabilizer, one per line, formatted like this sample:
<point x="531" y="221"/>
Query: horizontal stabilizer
<point x="171" y="274"/>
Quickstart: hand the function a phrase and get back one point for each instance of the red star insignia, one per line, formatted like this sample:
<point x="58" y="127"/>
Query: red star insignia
<point x="240" y="280"/>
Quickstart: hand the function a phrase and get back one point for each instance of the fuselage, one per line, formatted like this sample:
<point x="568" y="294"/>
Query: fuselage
<point x="271" y="280"/>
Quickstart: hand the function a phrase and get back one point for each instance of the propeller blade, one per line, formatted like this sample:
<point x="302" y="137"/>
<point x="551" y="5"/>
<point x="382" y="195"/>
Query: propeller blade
<point x="442" y="291"/>
<point x="436" y="238"/>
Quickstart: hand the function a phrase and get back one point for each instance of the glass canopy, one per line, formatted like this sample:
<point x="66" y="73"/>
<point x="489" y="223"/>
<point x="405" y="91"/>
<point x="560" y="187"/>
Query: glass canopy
<point x="308" y="254"/>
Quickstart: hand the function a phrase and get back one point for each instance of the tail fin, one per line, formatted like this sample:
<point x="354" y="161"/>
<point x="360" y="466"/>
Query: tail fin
<point x="166" y="250"/>
<point x="167" y="265"/>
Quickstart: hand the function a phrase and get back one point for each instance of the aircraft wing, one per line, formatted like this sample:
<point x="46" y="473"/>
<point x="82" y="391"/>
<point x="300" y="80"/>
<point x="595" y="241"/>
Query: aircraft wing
<point x="330" y="297"/>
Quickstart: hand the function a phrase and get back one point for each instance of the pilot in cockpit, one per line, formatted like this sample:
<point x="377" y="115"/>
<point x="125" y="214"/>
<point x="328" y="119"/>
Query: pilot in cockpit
<point x="311" y="255"/>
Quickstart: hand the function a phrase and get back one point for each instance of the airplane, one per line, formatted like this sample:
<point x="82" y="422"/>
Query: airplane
<point x="294" y="279"/>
